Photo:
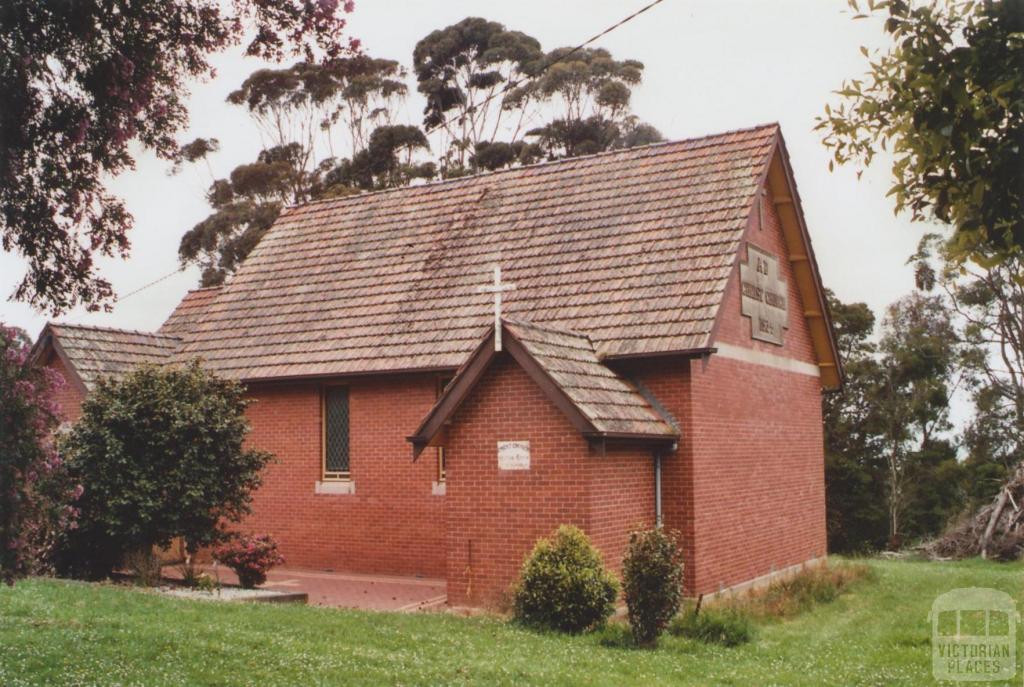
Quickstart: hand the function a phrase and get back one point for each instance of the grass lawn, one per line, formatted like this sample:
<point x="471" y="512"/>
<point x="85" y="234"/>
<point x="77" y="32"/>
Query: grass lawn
<point x="65" y="633"/>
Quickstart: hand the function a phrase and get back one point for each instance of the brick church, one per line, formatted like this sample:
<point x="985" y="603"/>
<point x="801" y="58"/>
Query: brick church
<point x="660" y="354"/>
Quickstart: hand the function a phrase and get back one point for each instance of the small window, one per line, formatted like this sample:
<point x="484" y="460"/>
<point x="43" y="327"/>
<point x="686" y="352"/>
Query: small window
<point x="442" y="384"/>
<point x="336" y="454"/>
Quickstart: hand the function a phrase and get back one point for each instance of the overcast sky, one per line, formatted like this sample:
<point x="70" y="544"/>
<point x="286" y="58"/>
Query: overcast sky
<point x="711" y="65"/>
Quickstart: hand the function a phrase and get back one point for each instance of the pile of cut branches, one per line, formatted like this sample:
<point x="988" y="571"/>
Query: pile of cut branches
<point x="995" y="531"/>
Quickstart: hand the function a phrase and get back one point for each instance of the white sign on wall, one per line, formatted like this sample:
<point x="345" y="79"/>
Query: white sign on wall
<point x="513" y="455"/>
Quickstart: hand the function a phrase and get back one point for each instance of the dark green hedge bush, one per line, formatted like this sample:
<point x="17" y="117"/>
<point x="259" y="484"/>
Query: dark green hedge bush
<point x="564" y="586"/>
<point x="160" y="454"/>
<point x="652" y="579"/>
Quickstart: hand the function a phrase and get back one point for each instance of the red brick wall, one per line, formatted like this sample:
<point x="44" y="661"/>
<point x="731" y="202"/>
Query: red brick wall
<point x="621" y="499"/>
<point x="392" y="523"/>
<point x="495" y="516"/>
<point x="668" y="379"/>
<point x="758" y="472"/>
<point x="746" y="487"/>
<point x="758" y="446"/>
<point x="69" y="397"/>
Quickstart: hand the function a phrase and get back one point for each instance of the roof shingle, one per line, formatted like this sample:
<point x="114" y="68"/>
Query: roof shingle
<point x="611" y="404"/>
<point x="189" y="311"/>
<point x="96" y="352"/>
<point x="632" y="247"/>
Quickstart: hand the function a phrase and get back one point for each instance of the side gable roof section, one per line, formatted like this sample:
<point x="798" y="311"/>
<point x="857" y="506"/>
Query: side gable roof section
<point x="90" y="353"/>
<point x="565" y="365"/>
<point x="778" y="181"/>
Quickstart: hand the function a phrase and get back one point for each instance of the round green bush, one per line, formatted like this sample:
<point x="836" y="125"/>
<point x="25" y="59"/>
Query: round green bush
<point x="564" y="586"/>
<point x="652" y="578"/>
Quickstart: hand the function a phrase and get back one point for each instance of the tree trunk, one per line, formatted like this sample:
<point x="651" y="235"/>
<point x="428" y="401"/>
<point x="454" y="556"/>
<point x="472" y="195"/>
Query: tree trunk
<point x="996" y="512"/>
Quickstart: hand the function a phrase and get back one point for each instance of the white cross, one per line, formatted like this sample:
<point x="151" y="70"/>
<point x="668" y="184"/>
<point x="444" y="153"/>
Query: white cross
<point x="497" y="288"/>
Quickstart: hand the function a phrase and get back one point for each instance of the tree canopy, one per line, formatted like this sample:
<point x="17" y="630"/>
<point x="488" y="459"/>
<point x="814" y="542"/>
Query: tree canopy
<point x="347" y="103"/>
<point x="989" y="302"/>
<point x="84" y="82"/>
<point x="460" y="69"/>
<point x="947" y="100"/>
<point x="891" y="466"/>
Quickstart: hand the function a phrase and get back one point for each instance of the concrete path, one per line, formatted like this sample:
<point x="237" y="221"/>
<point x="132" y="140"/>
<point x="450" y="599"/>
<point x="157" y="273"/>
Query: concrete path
<point x="347" y="590"/>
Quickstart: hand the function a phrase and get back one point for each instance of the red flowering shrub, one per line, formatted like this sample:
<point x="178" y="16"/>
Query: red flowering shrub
<point x="251" y="557"/>
<point x="37" y="495"/>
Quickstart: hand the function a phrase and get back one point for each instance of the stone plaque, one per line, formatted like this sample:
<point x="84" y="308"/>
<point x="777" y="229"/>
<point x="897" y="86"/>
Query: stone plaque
<point x="513" y="455"/>
<point x="764" y="296"/>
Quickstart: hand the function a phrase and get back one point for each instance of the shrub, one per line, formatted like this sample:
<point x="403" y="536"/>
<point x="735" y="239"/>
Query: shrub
<point x="725" y="626"/>
<point x="187" y="567"/>
<point x="159" y="453"/>
<point x="652" y="580"/>
<point x="36" y="493"/>
<point x="207" y="583"/>
<point x="251" y="557"/>
<point x="563" y="584"/>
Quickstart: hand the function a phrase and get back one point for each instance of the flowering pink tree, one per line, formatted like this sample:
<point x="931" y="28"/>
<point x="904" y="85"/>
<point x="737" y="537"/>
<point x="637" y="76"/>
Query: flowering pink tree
<point x="36" y="494"/>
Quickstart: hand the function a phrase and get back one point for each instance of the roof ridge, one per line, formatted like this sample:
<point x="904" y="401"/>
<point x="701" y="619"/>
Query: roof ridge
<point x="546" y="327"/>
<point x="544" y="163"/>
<point x="119" y="330"/>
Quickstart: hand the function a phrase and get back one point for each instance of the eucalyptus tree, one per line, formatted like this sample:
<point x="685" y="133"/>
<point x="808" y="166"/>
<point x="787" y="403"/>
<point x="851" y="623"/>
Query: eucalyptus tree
<point x="387" y="161"/>
<point x="462" y="70"/>
<point x="304" y="102"/>
<point x="589" y="92"/>
<point x="989" y="299"/>
<point x="302" y="111"/>
<point x="855" y="474"/>
<point x="919" y="369"/>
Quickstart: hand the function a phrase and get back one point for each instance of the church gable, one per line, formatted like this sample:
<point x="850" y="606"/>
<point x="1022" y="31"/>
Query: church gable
<point x="774" y="306"/>
<point x="600" y="404"/>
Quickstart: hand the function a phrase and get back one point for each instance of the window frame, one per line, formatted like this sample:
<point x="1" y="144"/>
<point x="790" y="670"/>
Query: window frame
<point x="325" y="474"/>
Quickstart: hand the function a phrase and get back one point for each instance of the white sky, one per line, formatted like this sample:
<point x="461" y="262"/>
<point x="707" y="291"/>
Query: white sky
<point x="711" y="65"/>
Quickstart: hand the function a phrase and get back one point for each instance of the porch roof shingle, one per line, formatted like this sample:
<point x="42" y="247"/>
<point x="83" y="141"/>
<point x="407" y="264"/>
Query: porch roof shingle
<point x="611" y="403"/>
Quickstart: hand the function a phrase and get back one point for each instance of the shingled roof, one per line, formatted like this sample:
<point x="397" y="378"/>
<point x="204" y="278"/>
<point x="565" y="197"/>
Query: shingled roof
<point x="599" y="403"/>
<point x="632" y="247"/>
<point x="612" y="405"/>
<point x="95" y="352"/>
<point x="188" y="312"/>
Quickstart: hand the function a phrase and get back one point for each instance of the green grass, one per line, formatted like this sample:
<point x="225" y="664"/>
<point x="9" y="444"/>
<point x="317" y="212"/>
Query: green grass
<point x="65" y="633"/>
<point x="712" y="625"/>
